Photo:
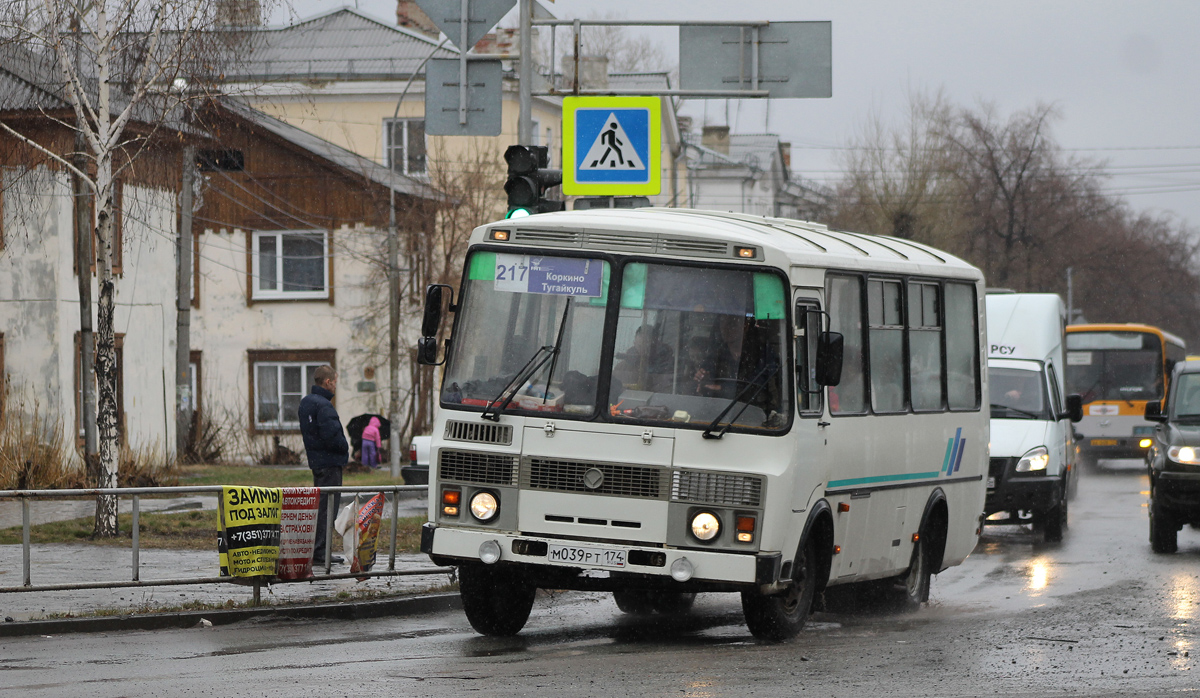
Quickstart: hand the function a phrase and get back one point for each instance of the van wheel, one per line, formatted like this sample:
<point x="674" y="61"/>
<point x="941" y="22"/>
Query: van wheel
<point x="1163" y="533"/>
<point x="497" y="601"/>
<point x="672" y="602"/>
<point x="782" y="616"/>
<point x="1054" y="522"/>
<point x="635" y="602"/>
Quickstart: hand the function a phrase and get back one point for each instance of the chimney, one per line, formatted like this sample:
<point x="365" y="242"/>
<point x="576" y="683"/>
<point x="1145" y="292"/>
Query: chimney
<point x="785" y="153"/>
<point x="410" y="16"/>
<point x="716" y="138"/>
<point x="238" y="13"/>
<point x="685" y="125"/>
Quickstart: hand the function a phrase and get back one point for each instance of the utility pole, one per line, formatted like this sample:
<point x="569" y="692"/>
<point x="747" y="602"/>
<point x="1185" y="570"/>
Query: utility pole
<point x="525" y="73"/>
<point x="84" y="257"/>
<point x="184" y="407"/>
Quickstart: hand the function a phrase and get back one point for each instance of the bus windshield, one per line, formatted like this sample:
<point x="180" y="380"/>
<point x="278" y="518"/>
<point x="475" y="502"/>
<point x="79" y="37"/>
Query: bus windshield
<point x="700" y="346"/>
<point x="1114" y="366"/>
<point x="539" y="318"/>
<point x="1017" y="394"/>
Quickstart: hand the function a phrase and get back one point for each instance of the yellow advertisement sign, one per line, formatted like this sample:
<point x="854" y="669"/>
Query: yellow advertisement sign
<point x="249" y="531"/>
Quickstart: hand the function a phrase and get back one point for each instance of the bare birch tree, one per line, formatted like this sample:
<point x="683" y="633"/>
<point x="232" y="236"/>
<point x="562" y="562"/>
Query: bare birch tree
<point x="125" y="68"/>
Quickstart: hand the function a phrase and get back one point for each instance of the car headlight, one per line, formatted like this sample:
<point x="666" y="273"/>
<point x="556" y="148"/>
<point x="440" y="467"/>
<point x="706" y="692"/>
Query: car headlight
<point x="1183" y="454"/>
<point x="1036" y="460"/>
<point x="705" y="525"/>
<point x="484" y="506"/>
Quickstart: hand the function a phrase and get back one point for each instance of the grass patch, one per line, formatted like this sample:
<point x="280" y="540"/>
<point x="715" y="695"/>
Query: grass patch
<point x="268" y="476"/>
<point x="189" y="530"/>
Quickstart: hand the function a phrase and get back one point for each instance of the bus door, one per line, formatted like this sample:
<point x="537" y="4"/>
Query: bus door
<point x="809" y="428"/>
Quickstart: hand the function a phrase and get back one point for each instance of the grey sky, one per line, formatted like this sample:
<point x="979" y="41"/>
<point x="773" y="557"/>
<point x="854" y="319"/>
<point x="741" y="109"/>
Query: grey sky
<point x="1122" y="73"/>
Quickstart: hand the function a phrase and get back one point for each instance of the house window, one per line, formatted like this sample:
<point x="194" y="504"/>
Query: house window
<point x="290" y="264"/>
<point x="278" y="380"/>
<point x="221" y="160"/>
<point x="120" y="342"/>
<point x="404" y="145"/>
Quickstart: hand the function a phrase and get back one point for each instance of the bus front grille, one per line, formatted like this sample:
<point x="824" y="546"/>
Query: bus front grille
<point x="480" y="433"/>
<point x="572" y="476"/>
<point x="716" y="488"/>
<point x="481" y="468"/>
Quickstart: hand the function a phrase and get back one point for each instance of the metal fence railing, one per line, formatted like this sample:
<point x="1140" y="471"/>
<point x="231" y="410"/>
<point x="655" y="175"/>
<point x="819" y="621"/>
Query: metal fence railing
<point x="27" y="497"/>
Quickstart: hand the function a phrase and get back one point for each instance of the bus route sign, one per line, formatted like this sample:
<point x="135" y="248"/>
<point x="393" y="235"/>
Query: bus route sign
<point x="612" y="146"/>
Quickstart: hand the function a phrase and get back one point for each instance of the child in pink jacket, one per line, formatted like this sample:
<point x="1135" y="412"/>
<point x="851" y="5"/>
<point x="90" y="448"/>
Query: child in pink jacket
<point x="371" y="443"/>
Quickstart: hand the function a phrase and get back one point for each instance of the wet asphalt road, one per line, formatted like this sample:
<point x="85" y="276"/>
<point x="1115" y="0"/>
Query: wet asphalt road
<point x="1098" y="614"/>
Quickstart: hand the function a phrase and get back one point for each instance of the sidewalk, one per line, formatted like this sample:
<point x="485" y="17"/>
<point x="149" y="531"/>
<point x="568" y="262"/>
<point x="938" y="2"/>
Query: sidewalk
<point x="78" y="563"/>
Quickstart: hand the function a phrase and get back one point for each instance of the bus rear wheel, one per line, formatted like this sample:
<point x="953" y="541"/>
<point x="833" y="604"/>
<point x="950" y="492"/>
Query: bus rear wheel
<point x="782" y="616"/>
<point x="497" y="601"/>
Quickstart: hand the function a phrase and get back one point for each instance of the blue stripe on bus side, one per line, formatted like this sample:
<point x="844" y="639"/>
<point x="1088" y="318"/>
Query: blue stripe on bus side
<point x="881" y="478"/>
<point x="962" y="445"/>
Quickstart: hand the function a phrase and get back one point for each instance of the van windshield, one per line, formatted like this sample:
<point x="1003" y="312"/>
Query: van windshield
<point x="1017" y="394"/>
<point x="1186" y="403"/>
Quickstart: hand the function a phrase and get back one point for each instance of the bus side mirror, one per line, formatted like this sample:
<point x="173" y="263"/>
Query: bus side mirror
<point x="427" y="351"/>
<point x="1154" y="412"/>
<point x="830" y="347"/>
<point x="1074" y="407"/>
<point x="432" y="320"/>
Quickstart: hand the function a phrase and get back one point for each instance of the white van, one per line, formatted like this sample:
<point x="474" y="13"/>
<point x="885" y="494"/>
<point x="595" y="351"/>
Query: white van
<point x="1031" y="472"/>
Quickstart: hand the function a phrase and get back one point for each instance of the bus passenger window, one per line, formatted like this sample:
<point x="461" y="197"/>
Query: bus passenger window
<point x="962" y="353"/>
<point x="845" y="316"/>
<point x="887" y="346"/>
<point x="925" y="346"/>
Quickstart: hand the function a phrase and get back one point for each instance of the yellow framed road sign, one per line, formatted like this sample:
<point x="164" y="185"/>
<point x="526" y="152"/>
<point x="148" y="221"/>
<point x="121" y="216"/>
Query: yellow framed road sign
<point x="612" y="146"/>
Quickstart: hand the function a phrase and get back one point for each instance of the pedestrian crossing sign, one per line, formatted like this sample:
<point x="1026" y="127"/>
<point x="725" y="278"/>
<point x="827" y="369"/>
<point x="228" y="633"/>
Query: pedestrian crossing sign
<point x="612" y="146"/>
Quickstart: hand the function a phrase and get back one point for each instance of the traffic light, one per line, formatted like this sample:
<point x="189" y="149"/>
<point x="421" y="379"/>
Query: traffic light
<point x="528" y="180"/>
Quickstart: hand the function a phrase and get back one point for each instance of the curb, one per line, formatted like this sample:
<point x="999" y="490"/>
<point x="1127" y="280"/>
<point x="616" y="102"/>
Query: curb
<point x="355" y="610"/>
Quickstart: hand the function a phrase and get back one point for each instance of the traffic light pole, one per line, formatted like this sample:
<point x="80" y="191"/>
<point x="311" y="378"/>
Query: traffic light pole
<point x="525" y="73"/>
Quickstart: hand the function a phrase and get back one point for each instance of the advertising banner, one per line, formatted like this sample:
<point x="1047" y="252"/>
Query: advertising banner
<point x="367" y="534"/>
<point x="298" y="521"/>
<point x="249" y="531"/>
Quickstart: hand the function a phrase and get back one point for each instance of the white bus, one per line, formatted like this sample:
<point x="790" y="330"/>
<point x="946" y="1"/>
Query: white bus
<point x="659" y="402"/>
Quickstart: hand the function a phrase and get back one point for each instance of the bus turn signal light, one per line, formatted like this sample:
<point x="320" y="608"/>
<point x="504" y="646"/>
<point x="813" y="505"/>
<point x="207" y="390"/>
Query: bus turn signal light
<point x="745" y="529"/>
<point x="450" y="500"/>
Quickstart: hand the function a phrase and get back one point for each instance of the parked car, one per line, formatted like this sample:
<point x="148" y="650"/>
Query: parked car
<point x="417" y="470"/>
<point x="1174" y="458"/>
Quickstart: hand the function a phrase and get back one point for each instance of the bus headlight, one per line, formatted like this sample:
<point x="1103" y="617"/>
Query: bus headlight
<point x="705" y="525"/>
<point x="1036" y="460"/>
<point x="1183" y="454"/>
<point x="1145" y="443"/>
<point x="484" y="506"/>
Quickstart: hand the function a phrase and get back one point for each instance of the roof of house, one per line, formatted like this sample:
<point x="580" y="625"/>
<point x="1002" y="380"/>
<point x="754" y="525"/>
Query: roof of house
<point x="342" y="44"/>
<point x="28" y="80"/>
<point x="335" y="154"/>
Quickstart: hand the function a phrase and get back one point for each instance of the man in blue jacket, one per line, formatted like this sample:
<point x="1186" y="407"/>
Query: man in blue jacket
<point x="326" y="448"/>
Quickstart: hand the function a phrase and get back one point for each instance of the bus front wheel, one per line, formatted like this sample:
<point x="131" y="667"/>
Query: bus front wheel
<point x="497" y="601"/>
<point x="782" y="616"/>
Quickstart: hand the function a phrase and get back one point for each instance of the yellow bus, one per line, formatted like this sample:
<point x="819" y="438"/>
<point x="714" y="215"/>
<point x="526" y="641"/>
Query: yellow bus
<point x="1117" y="369"/>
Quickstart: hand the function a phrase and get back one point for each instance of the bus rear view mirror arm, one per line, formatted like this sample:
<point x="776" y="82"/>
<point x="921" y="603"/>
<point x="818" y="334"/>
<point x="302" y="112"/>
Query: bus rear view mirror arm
<point x="830" y="347"/>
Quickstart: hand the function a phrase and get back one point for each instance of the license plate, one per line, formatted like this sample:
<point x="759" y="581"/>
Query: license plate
<point x="595" y="557"/>
<point x="991" y="483"/>
<point x="1104" y="442"/>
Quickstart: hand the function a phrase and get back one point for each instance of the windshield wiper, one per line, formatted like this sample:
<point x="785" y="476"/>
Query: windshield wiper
<point x="763" y="374"/>
<point x="1027" y="413"/>
<point x="493" y="410"/>
<point x="497" y="404"/>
